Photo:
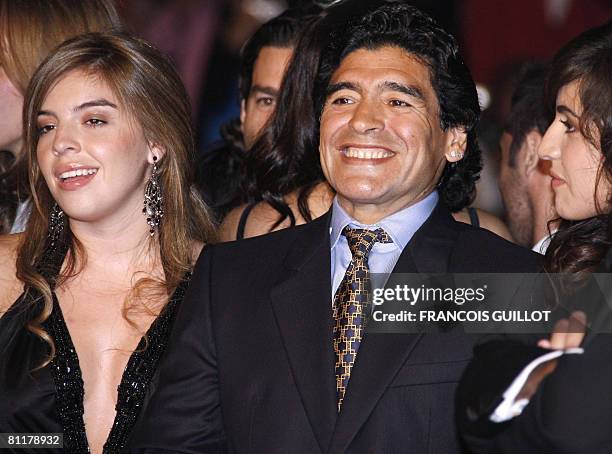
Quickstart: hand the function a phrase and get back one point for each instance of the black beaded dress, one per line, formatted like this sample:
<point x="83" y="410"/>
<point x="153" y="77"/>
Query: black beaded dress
<point x="50" y="399"/>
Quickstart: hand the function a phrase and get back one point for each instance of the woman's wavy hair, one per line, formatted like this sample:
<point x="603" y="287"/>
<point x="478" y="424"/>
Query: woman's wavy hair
<point x="149" y="87"/>
<point x="29" y="31"/>
<point x="284" y="158"/>
<point x="580" y="246"/>
<point x="371" y="25"/>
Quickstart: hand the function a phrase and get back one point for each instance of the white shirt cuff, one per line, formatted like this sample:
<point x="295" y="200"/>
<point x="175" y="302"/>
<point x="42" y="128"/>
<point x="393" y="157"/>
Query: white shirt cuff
<point x="510" y="407"/>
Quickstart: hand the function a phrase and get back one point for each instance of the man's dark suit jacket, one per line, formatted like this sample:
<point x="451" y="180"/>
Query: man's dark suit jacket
<point x="250" y="366"/>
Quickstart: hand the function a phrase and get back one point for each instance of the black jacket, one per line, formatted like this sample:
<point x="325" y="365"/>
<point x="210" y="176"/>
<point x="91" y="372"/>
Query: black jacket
<point x="251" y="366"/>
<point x="570" y="411"/>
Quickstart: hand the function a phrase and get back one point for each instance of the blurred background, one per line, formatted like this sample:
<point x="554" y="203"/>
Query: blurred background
<point x="204" y="37"/>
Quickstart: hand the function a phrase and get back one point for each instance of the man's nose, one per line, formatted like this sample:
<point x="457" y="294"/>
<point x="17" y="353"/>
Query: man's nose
<point x="367" y="117"/>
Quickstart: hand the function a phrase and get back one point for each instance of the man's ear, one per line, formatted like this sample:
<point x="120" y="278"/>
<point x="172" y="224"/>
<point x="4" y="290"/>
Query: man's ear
<point x="155" y="151"/>
<point x="456" y="144"/>
<point x="242" y="114"/>
<point x="530" y="150"/>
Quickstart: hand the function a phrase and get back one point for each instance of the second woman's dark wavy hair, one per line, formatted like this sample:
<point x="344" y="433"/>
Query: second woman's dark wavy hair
<point x="579" y="246"/>
<point x="285" y="157"/>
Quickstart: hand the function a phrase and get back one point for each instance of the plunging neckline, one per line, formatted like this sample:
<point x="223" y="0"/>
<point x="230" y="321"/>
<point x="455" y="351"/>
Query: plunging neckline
<point x="131" y="391"/>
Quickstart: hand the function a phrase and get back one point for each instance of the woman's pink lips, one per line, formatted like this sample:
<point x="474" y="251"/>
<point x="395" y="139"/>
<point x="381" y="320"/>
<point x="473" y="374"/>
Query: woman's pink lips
<point x="74" y="183"/>
<point x="556" y="182"/>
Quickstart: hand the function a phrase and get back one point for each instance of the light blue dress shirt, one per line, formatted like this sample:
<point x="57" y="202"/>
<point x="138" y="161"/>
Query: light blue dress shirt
<point x="400" y="226"/>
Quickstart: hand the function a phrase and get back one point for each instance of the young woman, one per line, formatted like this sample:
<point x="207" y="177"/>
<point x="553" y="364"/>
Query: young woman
<point x="89" y="291"/>
<point x="29" y="30"/>
<point x="568" y="410"/>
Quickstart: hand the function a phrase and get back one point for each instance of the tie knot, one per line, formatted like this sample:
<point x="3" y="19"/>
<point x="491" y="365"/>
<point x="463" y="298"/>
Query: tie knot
<point x="361" y="241"/>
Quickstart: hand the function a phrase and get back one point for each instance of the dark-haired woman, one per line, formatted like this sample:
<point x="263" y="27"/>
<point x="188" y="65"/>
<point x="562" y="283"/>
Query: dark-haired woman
<point x="89" y="291"/>
<point x="285" y="185"/>
<point x="570" y="409"/>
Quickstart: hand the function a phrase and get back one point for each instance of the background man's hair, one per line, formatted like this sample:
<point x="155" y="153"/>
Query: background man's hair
<point x="282" y="31"/>
<point x="528" y="110"/>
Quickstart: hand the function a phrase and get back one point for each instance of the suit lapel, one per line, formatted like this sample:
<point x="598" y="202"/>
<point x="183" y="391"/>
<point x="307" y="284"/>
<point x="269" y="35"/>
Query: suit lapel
<point x="301" y="302"/>
<point x="381" y="356"/>
<point x="431" y="246"/>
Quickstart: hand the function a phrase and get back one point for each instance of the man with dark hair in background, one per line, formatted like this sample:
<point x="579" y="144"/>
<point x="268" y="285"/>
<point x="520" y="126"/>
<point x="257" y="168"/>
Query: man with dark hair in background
<point x="270" y="353"/>
<point x="524" y="181"/>
<point x="264" y="59"/>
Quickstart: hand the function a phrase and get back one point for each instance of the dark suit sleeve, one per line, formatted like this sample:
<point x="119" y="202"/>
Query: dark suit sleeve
<point x="566" y="415"/>
<point x="184" y="413"/>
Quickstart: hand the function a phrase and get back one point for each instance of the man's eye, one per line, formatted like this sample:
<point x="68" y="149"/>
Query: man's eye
<point x="95" y="122"/>
<point x="339" y="101"/>
<point x="265" y="101"/>
<point x="398" y="103"/>
<point x="45" y="129"/>
<point x="568" y="126"/>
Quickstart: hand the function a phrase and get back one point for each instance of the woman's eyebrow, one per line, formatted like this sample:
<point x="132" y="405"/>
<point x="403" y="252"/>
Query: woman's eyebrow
<point x="95" y="103"/>
<point x="562" y="109"/>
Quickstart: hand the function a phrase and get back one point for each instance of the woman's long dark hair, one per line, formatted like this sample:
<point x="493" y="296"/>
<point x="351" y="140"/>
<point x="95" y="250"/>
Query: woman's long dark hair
<point x="285" y="156"/>
<point x="579" y="246"/>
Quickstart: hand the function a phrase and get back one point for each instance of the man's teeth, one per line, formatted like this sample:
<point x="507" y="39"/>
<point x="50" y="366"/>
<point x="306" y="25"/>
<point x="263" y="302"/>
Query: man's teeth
<point x="361" y="153"/>
<point x="77" y="173"/>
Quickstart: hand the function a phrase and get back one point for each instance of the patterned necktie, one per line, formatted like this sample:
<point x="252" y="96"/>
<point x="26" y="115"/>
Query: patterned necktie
<point x="351" y="303"/>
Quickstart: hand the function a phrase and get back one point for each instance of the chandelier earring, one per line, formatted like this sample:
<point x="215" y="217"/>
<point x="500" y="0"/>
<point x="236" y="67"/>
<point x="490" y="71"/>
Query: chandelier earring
<point x="153" y="201"/>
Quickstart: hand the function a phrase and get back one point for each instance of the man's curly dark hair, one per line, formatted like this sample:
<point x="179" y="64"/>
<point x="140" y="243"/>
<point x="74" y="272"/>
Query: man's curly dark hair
<point x="370" y="25"/>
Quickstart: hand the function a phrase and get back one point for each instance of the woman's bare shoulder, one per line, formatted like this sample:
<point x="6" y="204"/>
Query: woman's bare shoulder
<point x="229" y="226"/>
<point x="10" y="286"/>
<point x="319" y="200"/>
<point x="263" y="218"/>
<point x="487" y="221"/>
<point x="491" y="222"/>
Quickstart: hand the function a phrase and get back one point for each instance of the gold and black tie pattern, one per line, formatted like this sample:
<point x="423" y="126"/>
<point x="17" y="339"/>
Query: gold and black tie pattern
<point x="351" y="303"/>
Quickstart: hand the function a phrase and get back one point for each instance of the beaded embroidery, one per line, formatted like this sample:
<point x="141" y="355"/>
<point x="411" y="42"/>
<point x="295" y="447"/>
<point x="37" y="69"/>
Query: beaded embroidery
<point x="139" y="372"/>
<point x="137" y="375"/>
<point x="131" y="390"/>
<point x="68" y="384"/>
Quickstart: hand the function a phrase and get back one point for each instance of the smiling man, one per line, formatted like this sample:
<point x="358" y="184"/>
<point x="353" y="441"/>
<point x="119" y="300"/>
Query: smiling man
<point x="271" y="353"/>
<point x="382" y="146"/>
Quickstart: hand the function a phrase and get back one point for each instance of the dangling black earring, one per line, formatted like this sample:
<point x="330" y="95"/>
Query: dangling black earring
<point x="57" y="221"/>
<point x="153" y="202"/>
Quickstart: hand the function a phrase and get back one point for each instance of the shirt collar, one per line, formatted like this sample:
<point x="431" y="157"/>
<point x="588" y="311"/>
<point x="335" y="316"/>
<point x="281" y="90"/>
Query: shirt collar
<point x="400" y="226"/>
